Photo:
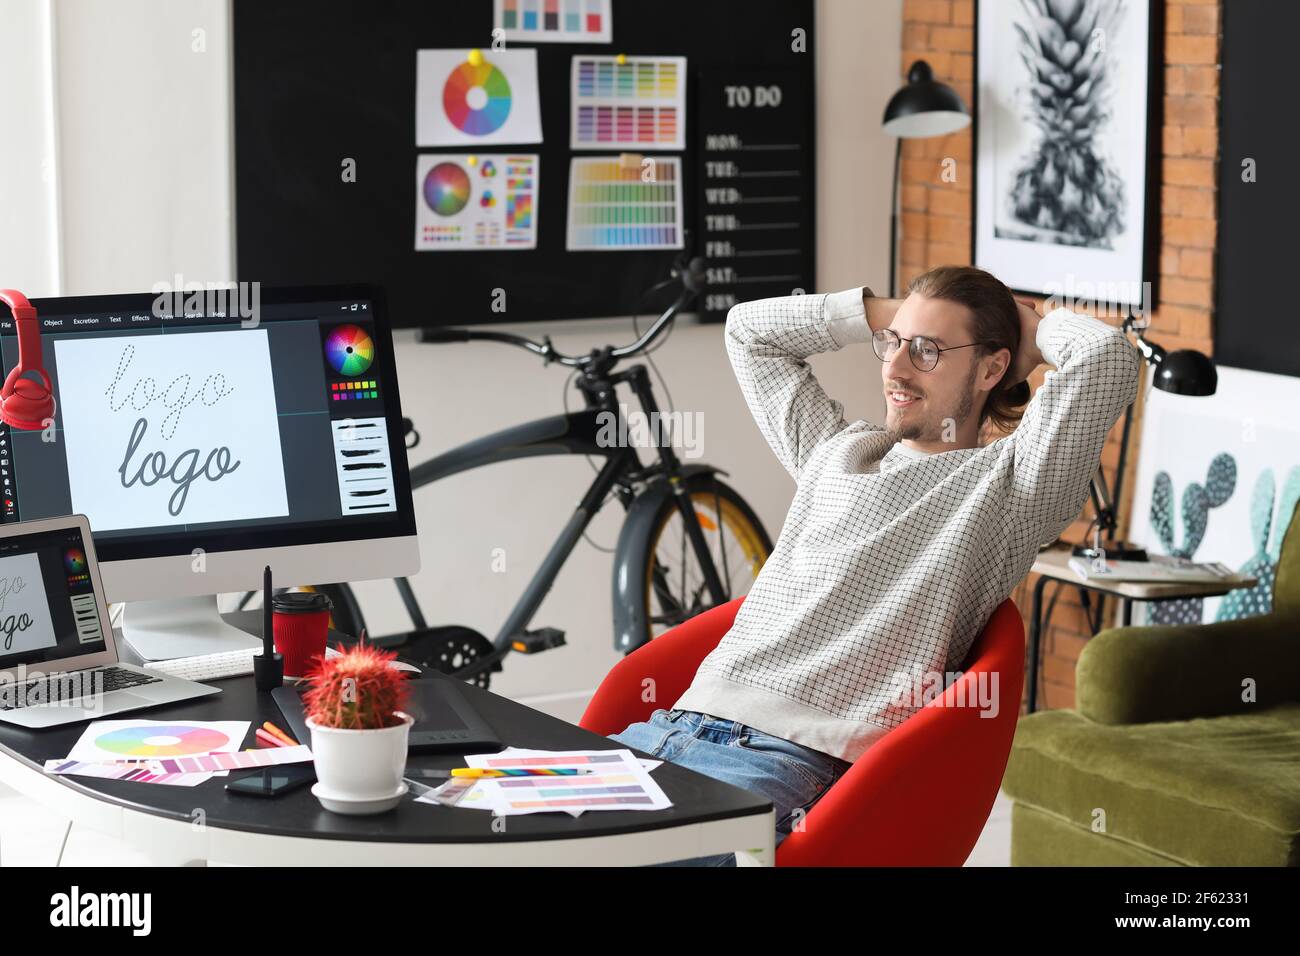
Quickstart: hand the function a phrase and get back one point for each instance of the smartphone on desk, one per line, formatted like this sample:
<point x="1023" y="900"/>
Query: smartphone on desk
<point x="273" y="781"/>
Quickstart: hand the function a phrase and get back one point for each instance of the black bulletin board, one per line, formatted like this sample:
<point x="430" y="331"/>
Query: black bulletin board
<point x="1255" y="316"/>
<point x="319" y="81"/>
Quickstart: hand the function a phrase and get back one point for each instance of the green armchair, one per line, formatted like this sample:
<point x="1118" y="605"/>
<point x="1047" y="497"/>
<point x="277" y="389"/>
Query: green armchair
<point x="1184" y="749"/>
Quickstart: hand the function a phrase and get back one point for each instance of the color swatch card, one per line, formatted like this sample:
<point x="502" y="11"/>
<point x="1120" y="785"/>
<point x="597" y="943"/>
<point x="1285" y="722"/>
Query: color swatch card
<point x="116" y="740"/>
<point x="631" y="101"/>
<point x="485" y="201"/>
<point x="615" y="206"/>
<point x="476" y="98"/>
<point x="132" y="772"/>
<point x="243" y="760"/>
<point x="616" y="780"/>
<point x="554" y="21"/>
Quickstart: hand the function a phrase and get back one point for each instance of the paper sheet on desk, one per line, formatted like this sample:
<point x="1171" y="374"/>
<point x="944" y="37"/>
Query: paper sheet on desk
<point x="110" y="741"/>
<point x="620" y="781"/>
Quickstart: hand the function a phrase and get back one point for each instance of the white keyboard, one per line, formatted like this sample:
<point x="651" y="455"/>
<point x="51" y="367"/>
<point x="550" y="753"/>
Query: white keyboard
<point x="208" y="666"/>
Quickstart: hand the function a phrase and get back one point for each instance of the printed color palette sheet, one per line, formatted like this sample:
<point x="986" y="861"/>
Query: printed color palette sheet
<point x="639" y="102"/>
<point x="554" y="21"/>
<point x="480" y="201"/>
<point x="616" y="780"/>
<point x="613" y="206"/>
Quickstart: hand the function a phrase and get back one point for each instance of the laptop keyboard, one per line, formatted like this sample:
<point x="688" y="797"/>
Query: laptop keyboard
<point x="57" y="688"/>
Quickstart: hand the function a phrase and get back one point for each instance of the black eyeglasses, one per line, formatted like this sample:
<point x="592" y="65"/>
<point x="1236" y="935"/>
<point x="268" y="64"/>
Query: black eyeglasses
<point x="923" y="351"/>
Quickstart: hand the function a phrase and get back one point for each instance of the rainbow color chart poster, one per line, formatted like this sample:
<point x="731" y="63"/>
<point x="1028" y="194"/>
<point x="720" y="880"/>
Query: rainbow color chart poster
<point x="554" y="21"/>
<point x="473" y="98"/>
<point x="631" y="101"/>
<point x="481" y="201"/>
<point x="617" y="206"/>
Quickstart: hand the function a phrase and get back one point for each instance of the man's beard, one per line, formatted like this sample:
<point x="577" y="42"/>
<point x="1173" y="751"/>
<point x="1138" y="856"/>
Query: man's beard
<point x="931" y="431"/>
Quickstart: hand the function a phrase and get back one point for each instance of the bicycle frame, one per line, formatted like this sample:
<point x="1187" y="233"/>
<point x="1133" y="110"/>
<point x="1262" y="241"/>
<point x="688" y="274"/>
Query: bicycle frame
<point x="575" y="433"/>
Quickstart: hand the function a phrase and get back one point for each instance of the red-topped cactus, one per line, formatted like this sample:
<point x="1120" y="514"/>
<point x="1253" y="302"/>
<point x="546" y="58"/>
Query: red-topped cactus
<point x="357" y="690"/>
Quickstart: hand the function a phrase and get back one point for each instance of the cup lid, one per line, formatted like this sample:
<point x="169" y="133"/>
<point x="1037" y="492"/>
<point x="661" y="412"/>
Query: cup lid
<point x="300" y="602"/>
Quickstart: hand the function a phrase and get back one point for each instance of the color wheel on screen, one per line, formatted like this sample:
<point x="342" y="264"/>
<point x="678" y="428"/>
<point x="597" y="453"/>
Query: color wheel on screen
<point x="349" y="350"/>
<point x="177" y="740"/>
<point x="74" y="559"/>
<point x="446" y="190"/>
<point x="477" y="98"/>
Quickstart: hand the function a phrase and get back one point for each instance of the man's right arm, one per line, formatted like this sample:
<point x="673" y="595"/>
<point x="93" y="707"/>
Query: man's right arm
<point x="769" y="342"/>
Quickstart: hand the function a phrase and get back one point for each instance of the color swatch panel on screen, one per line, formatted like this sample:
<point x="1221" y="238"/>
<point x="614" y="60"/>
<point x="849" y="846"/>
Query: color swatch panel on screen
<point x="638" y="102"/>
<point x="613" y="206"/>
<point x="555" y="21"/>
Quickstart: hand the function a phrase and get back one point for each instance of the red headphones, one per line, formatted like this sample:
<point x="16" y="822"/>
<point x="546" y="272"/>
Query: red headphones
<point x="24" y="402"/>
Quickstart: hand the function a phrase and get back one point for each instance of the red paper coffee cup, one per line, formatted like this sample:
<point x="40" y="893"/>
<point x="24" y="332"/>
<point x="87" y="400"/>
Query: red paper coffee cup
<point x="301" y="624"/>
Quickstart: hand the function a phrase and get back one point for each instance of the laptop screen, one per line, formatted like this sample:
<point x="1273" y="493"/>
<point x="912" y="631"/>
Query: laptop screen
<point x="48" y="610"/>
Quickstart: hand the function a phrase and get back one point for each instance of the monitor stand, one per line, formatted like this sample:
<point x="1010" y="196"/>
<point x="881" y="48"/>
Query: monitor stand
<point x="181" y="627"/>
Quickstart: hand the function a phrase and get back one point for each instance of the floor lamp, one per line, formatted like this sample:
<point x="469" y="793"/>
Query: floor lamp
<point x="921" y="109"/>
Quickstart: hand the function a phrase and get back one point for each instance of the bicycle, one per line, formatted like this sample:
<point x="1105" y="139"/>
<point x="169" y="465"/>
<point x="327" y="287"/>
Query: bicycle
<point x="689" y="541"/>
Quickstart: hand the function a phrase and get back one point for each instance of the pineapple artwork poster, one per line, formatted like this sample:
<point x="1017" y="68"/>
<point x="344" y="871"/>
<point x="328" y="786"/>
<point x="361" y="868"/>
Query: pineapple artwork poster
<point x="1064" y="146"/>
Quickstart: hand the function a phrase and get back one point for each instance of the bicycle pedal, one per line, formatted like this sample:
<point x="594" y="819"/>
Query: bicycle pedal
<point x="542" y="639"/>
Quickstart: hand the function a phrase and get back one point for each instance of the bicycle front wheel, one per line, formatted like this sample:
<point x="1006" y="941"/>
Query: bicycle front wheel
<point x="675" y="589"/>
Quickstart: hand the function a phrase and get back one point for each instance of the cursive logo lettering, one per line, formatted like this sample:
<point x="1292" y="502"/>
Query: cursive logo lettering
<point x="183" y="471"/>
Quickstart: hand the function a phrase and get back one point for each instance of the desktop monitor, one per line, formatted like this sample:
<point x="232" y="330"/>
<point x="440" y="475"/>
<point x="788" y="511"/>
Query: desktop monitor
<point x="207" y="435"/>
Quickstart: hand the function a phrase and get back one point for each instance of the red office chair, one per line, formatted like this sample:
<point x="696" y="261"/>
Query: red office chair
<point x="918" y="797"/>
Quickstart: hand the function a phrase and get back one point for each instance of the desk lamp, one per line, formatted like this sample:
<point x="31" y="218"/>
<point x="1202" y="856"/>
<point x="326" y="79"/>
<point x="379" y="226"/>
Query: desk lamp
<point x="921" y="109"/>
<point x="1184" y="372"/>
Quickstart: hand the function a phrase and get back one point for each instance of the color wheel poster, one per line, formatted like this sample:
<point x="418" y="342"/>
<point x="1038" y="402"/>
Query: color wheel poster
<point x="481" y="201"/>
<point x="154" y="739"/>
<point x="24" y="608"/>
<point x="170" y="429"/>
<point x="476" y="98"/>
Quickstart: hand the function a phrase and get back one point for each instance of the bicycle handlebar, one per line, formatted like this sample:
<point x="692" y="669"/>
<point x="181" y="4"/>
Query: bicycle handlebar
<point x="690" y="275"/>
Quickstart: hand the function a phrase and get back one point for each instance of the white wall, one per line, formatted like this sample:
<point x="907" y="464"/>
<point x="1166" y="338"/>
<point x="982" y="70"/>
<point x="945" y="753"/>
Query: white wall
<point x="144" y="184"/>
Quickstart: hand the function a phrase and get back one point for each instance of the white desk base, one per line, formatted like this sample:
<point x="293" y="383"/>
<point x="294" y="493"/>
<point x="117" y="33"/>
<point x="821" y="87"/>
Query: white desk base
<point x="171" y="842"/>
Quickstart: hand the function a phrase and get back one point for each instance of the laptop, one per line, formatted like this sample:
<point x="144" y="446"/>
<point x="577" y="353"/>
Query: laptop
<point x="58" y="658"/>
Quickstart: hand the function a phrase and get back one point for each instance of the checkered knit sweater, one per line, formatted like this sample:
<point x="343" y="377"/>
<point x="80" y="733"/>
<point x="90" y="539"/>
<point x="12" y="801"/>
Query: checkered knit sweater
<point x="891" y="561"/>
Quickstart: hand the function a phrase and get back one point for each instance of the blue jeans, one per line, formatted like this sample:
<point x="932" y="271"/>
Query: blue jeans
<point x="791" y="776"/>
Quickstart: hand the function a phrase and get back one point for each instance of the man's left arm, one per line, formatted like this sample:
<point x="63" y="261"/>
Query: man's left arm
<point x="1059" y="440"/>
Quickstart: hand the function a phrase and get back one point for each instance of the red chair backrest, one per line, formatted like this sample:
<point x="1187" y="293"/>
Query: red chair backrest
<point x="920" y="796"/>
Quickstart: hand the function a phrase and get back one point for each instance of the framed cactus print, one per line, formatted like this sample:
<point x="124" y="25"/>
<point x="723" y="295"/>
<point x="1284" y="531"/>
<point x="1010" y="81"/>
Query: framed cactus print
<point x="1218" y="479"/>
<point x="1067" y="147"/>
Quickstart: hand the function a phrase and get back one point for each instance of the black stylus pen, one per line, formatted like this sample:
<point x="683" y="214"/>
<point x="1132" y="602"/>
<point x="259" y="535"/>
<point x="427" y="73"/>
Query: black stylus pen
<point x="268" y="667"/>
<point x="268" y="634"/>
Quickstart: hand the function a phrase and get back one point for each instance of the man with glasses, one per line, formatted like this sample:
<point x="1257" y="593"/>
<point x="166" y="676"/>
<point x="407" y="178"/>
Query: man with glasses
<point x="903" y="536"/>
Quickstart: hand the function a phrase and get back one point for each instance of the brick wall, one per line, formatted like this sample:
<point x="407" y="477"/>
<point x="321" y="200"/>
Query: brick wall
<point x="936" y="228"/>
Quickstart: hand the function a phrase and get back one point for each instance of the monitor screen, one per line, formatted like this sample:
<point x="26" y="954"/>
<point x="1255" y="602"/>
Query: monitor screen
<point x="47" y="599"/>
<point x="219" y="422"/>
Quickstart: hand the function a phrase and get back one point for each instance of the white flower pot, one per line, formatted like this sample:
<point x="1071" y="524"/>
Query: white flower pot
<point x="360" y="771"/>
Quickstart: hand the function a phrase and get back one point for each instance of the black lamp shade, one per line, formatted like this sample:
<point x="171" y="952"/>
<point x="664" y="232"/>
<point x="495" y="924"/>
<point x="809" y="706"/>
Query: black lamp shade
<point x="925" y="107"/>
<point x="1187" y="372"/>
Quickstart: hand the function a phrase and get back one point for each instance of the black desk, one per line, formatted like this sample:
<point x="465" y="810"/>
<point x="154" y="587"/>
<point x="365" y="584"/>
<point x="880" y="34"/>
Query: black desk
<point x="206" y="823"/>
